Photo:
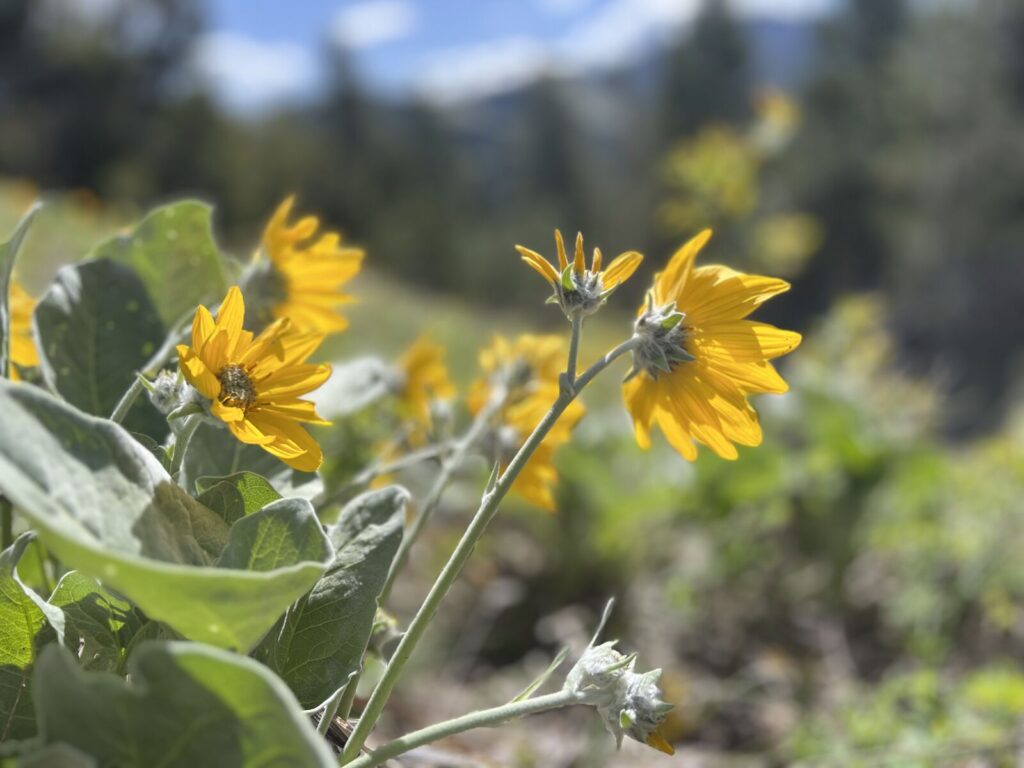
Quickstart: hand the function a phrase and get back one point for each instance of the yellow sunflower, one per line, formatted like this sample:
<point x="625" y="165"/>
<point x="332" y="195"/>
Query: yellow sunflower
<point x="23" y="348"/>
<point x="529" y="368"/>
<point x="306" y="272"/>
<point x="256" y="385"/>
<point x="579" y="290"/>
<point x="699" y="357"/>
<point x="423" y="379"/>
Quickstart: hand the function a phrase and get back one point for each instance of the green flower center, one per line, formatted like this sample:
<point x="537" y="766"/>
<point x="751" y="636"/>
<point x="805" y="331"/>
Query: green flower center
<point x="236" y="388"/>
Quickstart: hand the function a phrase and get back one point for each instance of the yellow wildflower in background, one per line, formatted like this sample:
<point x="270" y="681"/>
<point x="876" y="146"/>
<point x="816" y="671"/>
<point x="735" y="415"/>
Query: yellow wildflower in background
<point x="580" y="290"/>
<point x="424" y="379"/>
<point x="23" y="348"/>
<point x="307" y="271"/>
<point x="700" y="357"/>
<point x="529" y="369"/>
<point x="256" y="385"/>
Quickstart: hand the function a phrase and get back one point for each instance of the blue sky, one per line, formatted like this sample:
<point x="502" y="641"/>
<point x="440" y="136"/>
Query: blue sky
<point x="259" y="53"/>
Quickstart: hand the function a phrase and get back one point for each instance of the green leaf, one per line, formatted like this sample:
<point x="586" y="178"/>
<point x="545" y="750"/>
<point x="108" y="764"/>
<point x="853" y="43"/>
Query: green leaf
<point x="8" y="254"/>
<point x="320" y="642"/>
<point x="214" y="453"/>
<point x="97" y="622"/>
<point x="281" y="534"/>
<point x="237" y="495"/>
<point x="542" y="678"/>
<point x="96" y="327"/>
<point x="21" y="621"/>
<point x="186" y="704"/>
<point x="173" y="251"/>
<point x="103" y="505"/>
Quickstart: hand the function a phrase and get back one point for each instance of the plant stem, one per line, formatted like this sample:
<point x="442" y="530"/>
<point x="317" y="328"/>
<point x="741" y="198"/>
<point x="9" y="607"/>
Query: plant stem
<point x="181" y="441"/>
<point x="6" y="522"/>
<point x="449" y="466"/>
<point x="330" y="710"/>
<point x="574" y="347"/>
<point x="488" y="507"/>
<point x="481" y="719"/>
<point x="348" y="696"/>
<point x="152" y="366"/>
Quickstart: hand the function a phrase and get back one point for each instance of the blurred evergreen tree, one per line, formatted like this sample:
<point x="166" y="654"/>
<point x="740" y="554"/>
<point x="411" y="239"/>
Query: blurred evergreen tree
<point x="708" y="74"/>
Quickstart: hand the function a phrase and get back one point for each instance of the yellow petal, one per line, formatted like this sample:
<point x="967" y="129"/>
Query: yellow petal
<point x="669" y="284"/>
<point x="298" y="410"/>
<point x="197" y="374"/>
<point x="227" y="413"/>
<point x="563" y="260"/>
<point x="655" y="740"/>
<point x="578" y="264"/>
<point x="231" y="314"/>
<point x="621" y="269"/>
<point x="291" y="444"/>
<point x="749" y="341"/>
<point x="247" y="432"/>
<point x="596" y="261"/>
<point x="716" y="294"/>
<point x="202" y="327"/>
<point x="292" y="382"/>
<point x="539" y="263"/>
<point x="638" y="395"/>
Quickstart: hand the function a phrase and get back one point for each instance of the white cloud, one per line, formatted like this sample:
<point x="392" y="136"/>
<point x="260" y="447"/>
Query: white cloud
<point x="482" y="69"/>
<point x="250" y="75"/>
<point x="615" y="32"/>
<point x="372" y="23"/>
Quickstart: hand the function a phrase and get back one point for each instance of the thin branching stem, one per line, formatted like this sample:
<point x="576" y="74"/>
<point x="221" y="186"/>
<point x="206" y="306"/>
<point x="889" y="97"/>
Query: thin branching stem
<point x="480" y="719"/>
<point x="488" y="507"/>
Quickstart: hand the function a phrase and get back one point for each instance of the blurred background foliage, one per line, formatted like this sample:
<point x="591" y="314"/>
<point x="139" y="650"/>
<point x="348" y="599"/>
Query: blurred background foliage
<point x="846" y="594"/>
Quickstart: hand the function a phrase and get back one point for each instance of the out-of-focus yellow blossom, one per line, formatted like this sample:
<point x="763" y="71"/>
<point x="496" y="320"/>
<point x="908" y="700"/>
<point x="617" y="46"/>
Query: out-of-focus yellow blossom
<point x="580" y="290"/>
<point x="307" y="272"/>
<point x="256" y="385"/>
<point x="713" y="178"/>
<point x="528" y="368"/>
<point x="23" y="348"/>
<point x="700" y="357"/>
<point x="778" y="117"/>
<point x="424" y="379"/>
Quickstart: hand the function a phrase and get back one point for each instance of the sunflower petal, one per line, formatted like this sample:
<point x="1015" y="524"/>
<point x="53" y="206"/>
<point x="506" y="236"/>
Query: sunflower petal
<point x="621" y="269"/>
<point x="668" y="285"/>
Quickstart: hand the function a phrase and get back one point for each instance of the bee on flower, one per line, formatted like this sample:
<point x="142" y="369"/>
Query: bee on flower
<point x="302" y="274"/>
<point x="580" y="291"/>
<point x="23" y="352"/>
<point x="698" y="357"/>
<point x="255" y="385"/>
<point x="526" y="372"/>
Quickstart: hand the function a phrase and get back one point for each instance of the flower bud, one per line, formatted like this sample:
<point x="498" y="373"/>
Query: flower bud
<point x="169" y="392"/>
<point x="661" y="333"/>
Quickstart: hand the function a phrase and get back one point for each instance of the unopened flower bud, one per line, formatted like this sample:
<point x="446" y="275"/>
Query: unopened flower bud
<point x="169" y="392"/>
<point x="661" y="333"/>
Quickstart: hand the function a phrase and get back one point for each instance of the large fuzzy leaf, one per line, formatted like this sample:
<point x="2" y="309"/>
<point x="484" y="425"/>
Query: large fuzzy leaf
<point x="103" y="505"/>
<point x="185" y="705"/>
<point x="173" y="252"/>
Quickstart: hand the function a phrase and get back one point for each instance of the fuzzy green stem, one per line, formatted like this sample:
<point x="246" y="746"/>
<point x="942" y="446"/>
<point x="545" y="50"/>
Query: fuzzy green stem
<point x="348" y="696"/>
<point x="488" y="508"/>
<point x="181" y="441"/>
<point x="574" y="347"/>
<point x="481" y="719"/>
<point x="448" y="468"/>
<point x="6" y="522"/>
<point x="330" y="710"/>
